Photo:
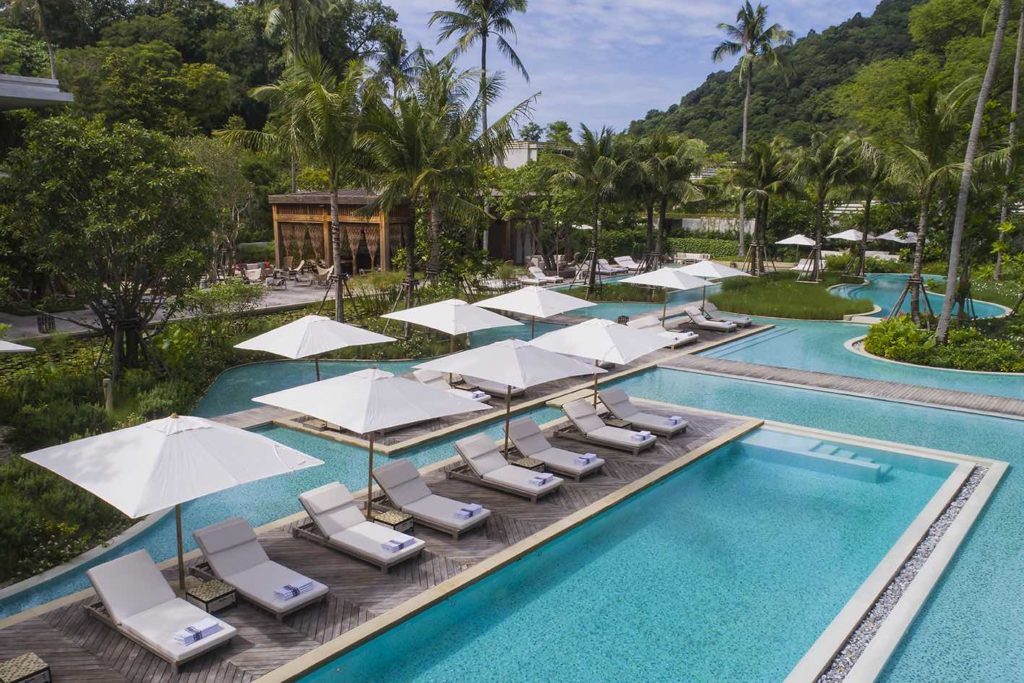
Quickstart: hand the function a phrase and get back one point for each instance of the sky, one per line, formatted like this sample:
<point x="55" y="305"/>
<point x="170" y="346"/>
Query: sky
<point x="608" y="62"/>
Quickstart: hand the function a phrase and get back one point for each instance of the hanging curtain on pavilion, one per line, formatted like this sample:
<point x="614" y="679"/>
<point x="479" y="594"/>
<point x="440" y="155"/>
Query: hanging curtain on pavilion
<point x="316" y="239"/>
<point x="354" y="234"/>
<point x="372" y="235"/>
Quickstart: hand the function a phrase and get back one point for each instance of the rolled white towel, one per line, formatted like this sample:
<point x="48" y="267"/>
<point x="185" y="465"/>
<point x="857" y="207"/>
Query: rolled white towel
<point x="675" y="420"/>
<point x="204" y="628"/>
<point x="541" y="479"/>
<point x="468" y="510"/>
<point x="397" y="542"/>
<point x="586" y="458"/>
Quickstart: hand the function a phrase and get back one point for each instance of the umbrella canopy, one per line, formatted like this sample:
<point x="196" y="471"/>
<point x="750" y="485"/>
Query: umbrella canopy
<point x="847" y="236"/>
<point x="894" y="236"/>
<point x="453" y="316"/>
<point x="164" y="463"/>
<point x="10" y="347"/>
<point x="712" y="271"/>
<point x="535" y="301"/>
<point x="311" y="336"/>
<point x="797" y="240"/>
<point x="603" y="341"/>
<point x="667" y="278"/>
<point x="370" y="400"/>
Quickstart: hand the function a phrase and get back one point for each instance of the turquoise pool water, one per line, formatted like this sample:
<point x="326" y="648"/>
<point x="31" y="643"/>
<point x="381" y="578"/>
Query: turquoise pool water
<point x="819" y="346"/>
<point x="688" y="593"/>
<point x="885" y="289"/>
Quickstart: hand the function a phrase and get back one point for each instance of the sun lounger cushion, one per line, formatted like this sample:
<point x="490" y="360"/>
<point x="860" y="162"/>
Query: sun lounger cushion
<point x="617" y="401"/>
<point x="333" y="508"/>
<point x="401" y="481"/>
<point x="583" y="417"/>
<point x="259" y="583"/>
<point x="157" y="625"/>
<point x="490" y="387"/>
<point x="367" y="538"/>
<point x="527" y="437"/>
<point x="481" y="454"/>
<point x="530" y="441"/>
<point x="741" y="320"/>
<point x="442" y="512"/>
<point x="521" y="478"/>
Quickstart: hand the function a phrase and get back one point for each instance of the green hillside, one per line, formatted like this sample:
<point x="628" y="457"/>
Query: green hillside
<point x="817" y="63"/>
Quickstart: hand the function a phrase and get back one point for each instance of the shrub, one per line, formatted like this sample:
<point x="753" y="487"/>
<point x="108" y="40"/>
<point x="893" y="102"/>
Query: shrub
<point x="166" y="398"/>
<point x="718" y="248"/>
<point x="252" y="252"/>
<point x="967" y="348"/>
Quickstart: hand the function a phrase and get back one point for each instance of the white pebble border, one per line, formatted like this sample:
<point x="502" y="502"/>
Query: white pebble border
<point x="866" y="630"/>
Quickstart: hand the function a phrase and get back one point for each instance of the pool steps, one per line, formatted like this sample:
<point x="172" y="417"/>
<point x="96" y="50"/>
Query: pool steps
<point x="742" y="344"/>
<point x="812" y="454"/>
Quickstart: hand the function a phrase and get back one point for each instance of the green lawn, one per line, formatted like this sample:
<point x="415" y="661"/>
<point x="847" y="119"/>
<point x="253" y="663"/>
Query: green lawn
<point x="779" y="295"/>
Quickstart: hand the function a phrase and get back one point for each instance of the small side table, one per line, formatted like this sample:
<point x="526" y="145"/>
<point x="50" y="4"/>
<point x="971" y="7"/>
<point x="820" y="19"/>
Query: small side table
<point x="211" y="596"/>
<point x="396" y="519"/>
<point x="26" y="668"/>
<point x="616" y="422"/>
<point x="529" y="463"/>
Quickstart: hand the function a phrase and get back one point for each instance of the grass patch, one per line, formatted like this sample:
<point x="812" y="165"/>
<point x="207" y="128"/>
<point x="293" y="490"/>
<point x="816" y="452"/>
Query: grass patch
<point x="617" y="291"/>
<point x="779" y="295"/>
<point x="1005" y="292"/>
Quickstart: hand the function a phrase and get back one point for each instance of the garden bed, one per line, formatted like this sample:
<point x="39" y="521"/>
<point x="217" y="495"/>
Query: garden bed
<point x="780" y="295"/>
<point x="995" y="345"/>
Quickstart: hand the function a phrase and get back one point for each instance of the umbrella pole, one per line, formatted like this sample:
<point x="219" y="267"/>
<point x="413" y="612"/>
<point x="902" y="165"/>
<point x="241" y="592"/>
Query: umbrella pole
<point x="369" y="483"/>
<point x="316" y="360"/>
<point x="533" y="325"/>
<point x="595" y="384"/>
<point x="664" y="309"/>
<point x="703" y="297"/>
<point x="451" y="346"/>
<point x="508" y="413"/>
<point x="181" y="548"/>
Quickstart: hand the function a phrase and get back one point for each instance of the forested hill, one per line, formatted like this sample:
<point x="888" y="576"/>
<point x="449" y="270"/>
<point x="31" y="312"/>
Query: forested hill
<point x="817" y="63"/>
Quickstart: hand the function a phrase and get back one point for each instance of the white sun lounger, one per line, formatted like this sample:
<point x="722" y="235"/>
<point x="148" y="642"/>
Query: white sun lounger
<point x="236" y="557"/>
<point x="439" y="380"/>
<point x="627" y="262"/>
<point x="617" y="401"/>
<point x="341" y="525"/>
<point x="491" y="388"/>
<point x="539" y="275"/>
<point x="585" y="419"/>
<point x="700" y="319"/>
<point x="405" y="487"/>
<point x="652" y="324"/>
<point x="806" y="265"/>
<point x="609" y="268"/>
<point x="490" y="469"/>
<point x="138" y="603"/>
<point x="712" y="311"/>
<point x="527" y="437"/>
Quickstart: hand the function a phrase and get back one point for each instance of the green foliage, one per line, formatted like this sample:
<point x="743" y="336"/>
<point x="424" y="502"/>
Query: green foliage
<point x="21" y="54"/>
<point x="966" y="349"/>
<point x="780" y="295"/>
<point x="621" y="292"/>
<point x="718" y="248"/>
<point x="841" y="263"/>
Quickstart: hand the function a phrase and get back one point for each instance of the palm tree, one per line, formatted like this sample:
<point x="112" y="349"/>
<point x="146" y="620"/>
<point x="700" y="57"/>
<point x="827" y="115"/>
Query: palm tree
<point x="1011" y="139"/>
<point x="923" y="160"/>
<point x="396" y="66"/>
<point x="39" y="10"/>
<point x="475" y="21"/>
<point x="296" y="20"/>
<point x="960" y="219"/>
<point x="767" y="173"/>
<point x="823" y="166"/>
<point x="752" y="37"/>
<point x="673" y="161"/>
<point x="594" y="168"/>
<point x="869" y="177"/>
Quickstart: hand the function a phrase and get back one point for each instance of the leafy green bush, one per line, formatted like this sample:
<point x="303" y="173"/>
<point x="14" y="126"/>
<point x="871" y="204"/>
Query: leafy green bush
<point x="253" y="252"/>
<point x="966" y="349"/>
<point x="780" y="295"/>
<point x="166" y="398"/>
<point x="620" y="292"/>
<point x="622" y="242"/>
<point x="841" y="262"/>
<point x="718" y="248"/>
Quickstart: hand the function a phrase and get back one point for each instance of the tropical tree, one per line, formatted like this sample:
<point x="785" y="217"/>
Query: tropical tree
<point x="869" y="177"/>
<point x="38" y="9"/>
<point x="296" y="21"/>
<point x="923" y="160"/>
<point x="1011" y="143"/>
<point x="753" y="38"/>
<point x="475" y="21"/>
<point x="767" y="173"/>
<point x="593" y="167"/>
<point x="822" y="167"/>
<point x="960" y="219"/>
<point x="396" y="66"/>
<point x="666" y="165"/>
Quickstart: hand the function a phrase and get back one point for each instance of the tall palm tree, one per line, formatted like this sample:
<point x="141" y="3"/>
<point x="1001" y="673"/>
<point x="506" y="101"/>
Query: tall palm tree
<point x="594" y="168"/>
<point x="1011" y="139"/>
<point x="960" y="219"/>
<point x="397" y="66"/>
<point x="476" y="21"/>
<point x="673" y="161"/>
<point x="923" y="160"/>
<point x="822" y="166"/>
<point x="756" y="40"/>
<point x="37" y="9"/>
<point x="869" y="177"/>
<point x="767" y="173"/>
<point x="296" y="21"/>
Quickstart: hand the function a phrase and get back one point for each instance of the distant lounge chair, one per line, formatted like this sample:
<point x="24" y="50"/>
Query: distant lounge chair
<point x="236" y="557"/>
<point x="492" y="388"/>
<point x="138" y="603"/>
<point x="617" y="401"/>
<point x="340" y="524"/>
<point x="586" y="420"/>
<point x="690" y="257"/>
<point x="606" y="268"/>
<point x="539" y="275"/>
<point x="627" y="262"/>
<point x="530" y="441"/>
<point x="701" y="320"/>
<point x="439" y="380"/>
<point x="489" y="468"/>
<point x="806" y="265"/>
<point x="653" y="324"/>
<point x="253" y="276"/>
<point x="405" y="488"/>
<point x="712" y="311"/>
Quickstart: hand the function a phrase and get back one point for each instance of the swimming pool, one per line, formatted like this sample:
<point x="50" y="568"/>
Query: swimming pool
<point x="884" y="290"/>
<point x="689" y="580"/>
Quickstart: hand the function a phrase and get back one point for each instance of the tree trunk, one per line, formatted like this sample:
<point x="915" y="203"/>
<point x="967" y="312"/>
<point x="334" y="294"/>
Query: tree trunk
<point x="743" y="160"/>
<point x="1011" y="138"/>
<point x="650" y="226"/>
<point x="659" y="232"/>
<point x="44" y="34"/>
<point x="434" y="260"/>
<point x="864" y="238"/>
<point x="915" y="275"/>
<point x="117" y="353"/>
<point x="942" y="331"/>
<point x="819" y="222"/>
<point x="339" y="299"/>
<point x="294" y="172"/>
<point x="592" y="276"/>
<point x="483" y="85"/>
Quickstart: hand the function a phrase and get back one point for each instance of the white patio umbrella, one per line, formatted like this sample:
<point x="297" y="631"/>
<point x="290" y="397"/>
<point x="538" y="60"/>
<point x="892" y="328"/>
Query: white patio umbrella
<point x="164" y="463"/>
<point x="667" y="278"/>
<point x="710" y="270"/>
<point x="369" y="401"/>
<point x="511" y="362"/>
<point x="11" y="347"/>
<point x="312" y="335"/>
<point x="536" y="302"/>
<point x="602" y="341"/>
<point x="850" y="235"/>
<point x="453" y="316"/>
<point x="894" y="236"/>
<point x="797" y="240"/>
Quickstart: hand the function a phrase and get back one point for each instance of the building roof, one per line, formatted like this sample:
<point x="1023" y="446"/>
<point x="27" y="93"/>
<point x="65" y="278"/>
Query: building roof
<point x="347" y="197"/>
<point x="21" y="92"/>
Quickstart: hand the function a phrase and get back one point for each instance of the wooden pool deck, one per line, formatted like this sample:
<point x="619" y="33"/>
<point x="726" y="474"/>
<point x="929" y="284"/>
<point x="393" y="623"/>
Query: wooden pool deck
<point x="851" y="386"/>
<point x="81" y="649"/>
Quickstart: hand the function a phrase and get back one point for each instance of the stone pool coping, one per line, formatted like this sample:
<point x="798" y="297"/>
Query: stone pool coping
<point x="331" y="650"/>
<point x="855" y="345"/>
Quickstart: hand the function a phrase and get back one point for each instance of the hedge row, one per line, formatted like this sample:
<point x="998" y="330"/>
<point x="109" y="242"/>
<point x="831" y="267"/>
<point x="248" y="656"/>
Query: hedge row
<point x="718" y="248"/>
